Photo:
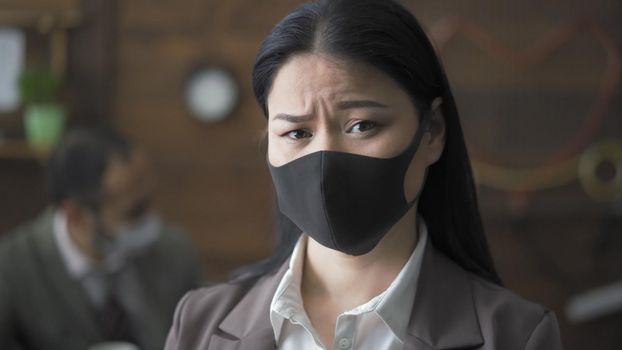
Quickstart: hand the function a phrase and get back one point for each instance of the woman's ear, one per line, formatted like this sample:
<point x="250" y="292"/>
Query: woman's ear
<point x="436" y="131"/>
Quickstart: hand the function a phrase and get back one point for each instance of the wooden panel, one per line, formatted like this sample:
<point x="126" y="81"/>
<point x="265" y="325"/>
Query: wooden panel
<point x="23" y="191"/>
<point x="92" y="57"/>
<point x="39" y="5"/>
<point x="552" y="243"/>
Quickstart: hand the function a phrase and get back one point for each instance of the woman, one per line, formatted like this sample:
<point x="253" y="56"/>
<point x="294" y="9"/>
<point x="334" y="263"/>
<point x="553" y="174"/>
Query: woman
<point x="381" y="242"/>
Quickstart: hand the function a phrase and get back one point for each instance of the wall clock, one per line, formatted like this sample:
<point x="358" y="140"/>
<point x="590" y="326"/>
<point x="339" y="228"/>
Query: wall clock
<point x="211" y="94"/>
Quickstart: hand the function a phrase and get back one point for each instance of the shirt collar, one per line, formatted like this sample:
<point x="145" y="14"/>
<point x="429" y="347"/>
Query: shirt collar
<point x="77" y="263"/>
<point x="390" y="305"/>
<point x="395" y="306"/>
<point x="287" y="298"/>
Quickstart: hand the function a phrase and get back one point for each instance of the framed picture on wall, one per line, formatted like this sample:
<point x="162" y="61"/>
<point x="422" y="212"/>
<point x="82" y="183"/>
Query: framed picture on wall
<point x="12" y="51"/>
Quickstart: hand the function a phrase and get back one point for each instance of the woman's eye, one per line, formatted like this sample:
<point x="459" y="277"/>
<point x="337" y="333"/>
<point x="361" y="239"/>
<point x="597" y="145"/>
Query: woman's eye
<point x="298" y="134"/>
<point x="362" y="126"/>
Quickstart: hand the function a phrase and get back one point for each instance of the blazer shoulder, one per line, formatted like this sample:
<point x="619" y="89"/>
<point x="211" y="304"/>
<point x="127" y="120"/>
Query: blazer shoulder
<point x="499" y="298"/>
<point x="200" y="312"/>
<point x="15" y="245"/>
<point x="213" y="301"/>
<point x="18" y="241"/>
<point x="508" y="320"/>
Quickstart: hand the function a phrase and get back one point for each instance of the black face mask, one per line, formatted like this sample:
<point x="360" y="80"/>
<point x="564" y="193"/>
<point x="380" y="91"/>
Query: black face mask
<point x="345" y="201"/>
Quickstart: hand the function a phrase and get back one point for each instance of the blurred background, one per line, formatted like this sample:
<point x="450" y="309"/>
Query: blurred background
<point x="537" y="84"/>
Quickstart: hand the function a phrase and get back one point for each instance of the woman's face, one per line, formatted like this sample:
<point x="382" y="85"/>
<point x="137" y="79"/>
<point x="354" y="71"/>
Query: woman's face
<point x="320" y="102"/>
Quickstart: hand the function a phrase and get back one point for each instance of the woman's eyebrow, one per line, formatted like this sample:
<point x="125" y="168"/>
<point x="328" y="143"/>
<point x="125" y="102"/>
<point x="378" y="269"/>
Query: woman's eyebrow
<point x="342" y="105"/>
<point x="360" y="104"/>
<point x="292" y="118"/>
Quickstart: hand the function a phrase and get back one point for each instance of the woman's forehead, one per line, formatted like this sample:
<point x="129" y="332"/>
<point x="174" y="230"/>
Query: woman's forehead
<point x="308" y="77"/>
<point x="306" y="70"/>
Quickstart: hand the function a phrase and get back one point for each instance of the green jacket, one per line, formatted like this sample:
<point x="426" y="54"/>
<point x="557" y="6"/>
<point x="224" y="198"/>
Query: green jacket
<point x="42" y="307"/>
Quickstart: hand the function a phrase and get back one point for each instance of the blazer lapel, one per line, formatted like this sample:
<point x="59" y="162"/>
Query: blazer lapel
<point x="443" y="315"/>
<point x="248" y="327"/>
<point x="65" y="290"/>
<point x="259" y="340"/>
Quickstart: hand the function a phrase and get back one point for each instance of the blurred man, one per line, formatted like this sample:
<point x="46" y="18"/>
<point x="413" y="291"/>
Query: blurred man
<point x="98" y="266"/>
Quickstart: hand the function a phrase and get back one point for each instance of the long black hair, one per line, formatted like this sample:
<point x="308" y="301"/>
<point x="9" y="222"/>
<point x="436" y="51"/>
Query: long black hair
<point x="387" y="36"/>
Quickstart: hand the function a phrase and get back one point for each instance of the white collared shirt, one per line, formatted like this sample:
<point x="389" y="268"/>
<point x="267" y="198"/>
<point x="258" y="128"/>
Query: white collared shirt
<point x="77" y="263"/>
<point x="79" y="266"/>
<point x="379" y="324"/>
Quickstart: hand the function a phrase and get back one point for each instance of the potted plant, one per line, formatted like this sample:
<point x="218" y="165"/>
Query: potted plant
<point x="44" y="114"/>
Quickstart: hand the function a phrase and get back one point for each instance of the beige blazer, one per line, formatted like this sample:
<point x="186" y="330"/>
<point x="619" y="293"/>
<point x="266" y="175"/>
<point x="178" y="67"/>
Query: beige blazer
<point x="453" y="309"/>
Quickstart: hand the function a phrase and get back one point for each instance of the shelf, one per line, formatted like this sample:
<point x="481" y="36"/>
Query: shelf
<point x="44" y="20"/>
<point x="17" y="149"/>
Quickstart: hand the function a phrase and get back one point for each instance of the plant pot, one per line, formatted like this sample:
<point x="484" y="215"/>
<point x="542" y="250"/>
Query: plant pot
<point x="44" y="125"/>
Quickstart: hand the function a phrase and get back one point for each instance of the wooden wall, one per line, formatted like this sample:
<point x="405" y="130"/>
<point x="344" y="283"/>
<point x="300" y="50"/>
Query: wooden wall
<point x="529" y="80"/>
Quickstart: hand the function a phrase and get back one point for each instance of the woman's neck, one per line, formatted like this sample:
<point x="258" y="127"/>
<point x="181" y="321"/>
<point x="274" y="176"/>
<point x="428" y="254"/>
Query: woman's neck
<point x="344" y="281"/>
